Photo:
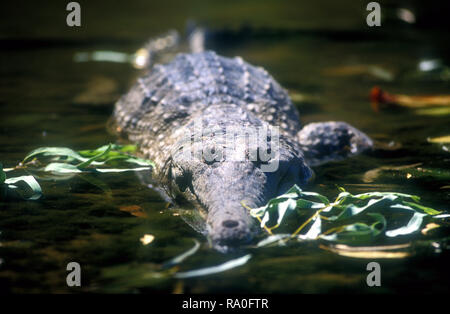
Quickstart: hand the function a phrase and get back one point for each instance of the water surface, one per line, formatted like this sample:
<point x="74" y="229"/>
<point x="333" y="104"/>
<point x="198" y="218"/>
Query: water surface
<point x="47" y="99"/>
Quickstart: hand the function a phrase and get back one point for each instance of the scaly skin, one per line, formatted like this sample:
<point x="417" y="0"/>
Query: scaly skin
<point x="225" y="94"/>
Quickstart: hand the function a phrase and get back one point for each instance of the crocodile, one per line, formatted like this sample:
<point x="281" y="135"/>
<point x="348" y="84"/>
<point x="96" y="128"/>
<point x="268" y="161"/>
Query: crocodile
<point x="188" y="104"/>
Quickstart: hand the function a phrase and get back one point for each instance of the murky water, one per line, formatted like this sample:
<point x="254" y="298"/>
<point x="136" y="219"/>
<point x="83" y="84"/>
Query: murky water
<point x="47" y="99"/>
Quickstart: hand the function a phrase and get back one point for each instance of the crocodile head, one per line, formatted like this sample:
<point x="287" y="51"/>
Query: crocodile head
<point x="212" y="174"/>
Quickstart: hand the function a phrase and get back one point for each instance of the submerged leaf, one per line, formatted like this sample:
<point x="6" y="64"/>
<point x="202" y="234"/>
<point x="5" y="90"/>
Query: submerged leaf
<point x="178" y="259"/>
<point x="272" y="239"/>
<point x="346" y="219"/>
<point x="114" y="147"/>
<point x="369" y="252"/>
<point x="278" y="208"/>
<point x="215" y="269"/>
<point x="121" y="170"/>
<point x="427" y="210"/>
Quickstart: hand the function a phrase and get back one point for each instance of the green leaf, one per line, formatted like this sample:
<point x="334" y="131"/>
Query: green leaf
<point x="305" y="204"/>
<point x="278" y="208"/>
<point x="107" y="158"/>
<point x="314" y="231"/>
<point x="86" y="163"/>
<point x="427" y="210"/>
<point x="114" y="147"/>
<point x="55" y="151"/>
<point x="58" y="167"/>
<point x="358" y="232"/>
<point x="62" y="163"/>
<point x="121" y="170"/>
<point x="346" y="219"/>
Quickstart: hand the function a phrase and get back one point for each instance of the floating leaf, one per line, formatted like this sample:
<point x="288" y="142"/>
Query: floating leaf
<point x="121" y="170"/>
<point x="441" y="139"/>
<point x="58" y="167"/>
<point x="351" y="205"/>
<point x="55" y="151"/>
<point x="369" y="252"/>
<point x="29" y="182"/>
<point x="315" y="229"/>
<point x="178" y="259"/>
<point x="438" y="111"/>
<point x="357" y="232"/>
<point x="102" y="153"/>
<point x="107" y="158"/>
<point x="441" y="216"/>
<point x="273" y="239"/>
<point x="103" y="56"/>
<point x="215" y="269"/>
<point x="346" y="219"/>
<point x="276" y="209"/>
<point x="412" y="226"/>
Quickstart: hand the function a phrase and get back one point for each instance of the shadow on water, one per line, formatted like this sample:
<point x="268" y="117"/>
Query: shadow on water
<point x="47" y="99"/>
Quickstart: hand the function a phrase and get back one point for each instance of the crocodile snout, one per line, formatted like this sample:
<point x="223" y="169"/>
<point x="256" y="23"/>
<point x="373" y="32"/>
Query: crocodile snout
<point x="228" y="234"/>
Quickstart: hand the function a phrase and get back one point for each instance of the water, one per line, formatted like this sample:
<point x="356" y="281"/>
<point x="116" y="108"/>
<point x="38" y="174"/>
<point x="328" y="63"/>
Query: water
<point x="47" y="99"/>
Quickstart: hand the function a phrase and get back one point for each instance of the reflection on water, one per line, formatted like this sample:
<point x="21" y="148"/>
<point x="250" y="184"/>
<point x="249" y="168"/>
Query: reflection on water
<point x="323" y="52"/>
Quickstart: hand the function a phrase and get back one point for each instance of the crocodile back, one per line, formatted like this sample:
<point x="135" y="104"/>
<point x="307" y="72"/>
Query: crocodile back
<point x="170" y="95"/>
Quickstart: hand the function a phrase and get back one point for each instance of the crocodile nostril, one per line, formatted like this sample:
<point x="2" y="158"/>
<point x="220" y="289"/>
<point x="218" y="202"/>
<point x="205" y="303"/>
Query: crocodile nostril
<point x="230" y="223"/>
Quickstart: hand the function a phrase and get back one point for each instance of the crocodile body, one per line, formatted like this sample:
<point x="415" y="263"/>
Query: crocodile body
<point x="223" y="94"/>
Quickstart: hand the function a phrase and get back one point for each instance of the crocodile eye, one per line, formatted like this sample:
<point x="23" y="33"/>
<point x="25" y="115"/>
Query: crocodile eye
<point x="212" y="157"/>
